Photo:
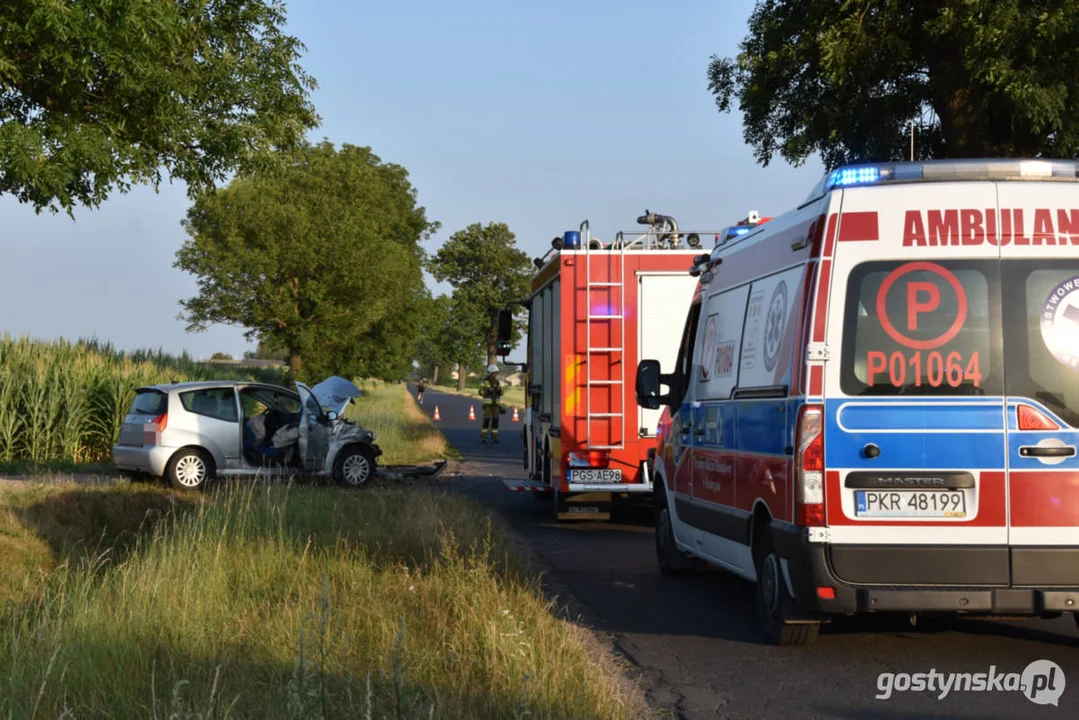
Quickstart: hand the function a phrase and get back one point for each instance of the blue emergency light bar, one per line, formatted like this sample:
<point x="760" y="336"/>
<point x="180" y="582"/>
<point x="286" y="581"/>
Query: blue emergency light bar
<point x="947" y="170"/>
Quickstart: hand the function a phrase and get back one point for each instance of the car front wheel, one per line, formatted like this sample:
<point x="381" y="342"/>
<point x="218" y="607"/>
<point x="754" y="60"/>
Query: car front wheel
<point x="355" y="468"/>
<point x="189" y="470"/>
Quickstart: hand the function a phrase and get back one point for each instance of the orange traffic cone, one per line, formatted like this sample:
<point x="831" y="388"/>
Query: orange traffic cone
<point x="516" y="417"/>
<point x="437" y="416"/>
<point x="472" y="412"/>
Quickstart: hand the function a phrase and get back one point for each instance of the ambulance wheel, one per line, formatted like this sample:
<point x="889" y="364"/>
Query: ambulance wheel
<point x="774" y="606"/>
<point x="670" y="559"/>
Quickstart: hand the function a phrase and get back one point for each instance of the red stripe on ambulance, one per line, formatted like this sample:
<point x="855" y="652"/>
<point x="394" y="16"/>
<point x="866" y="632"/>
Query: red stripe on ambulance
<point x="829" y="236"/>
<point x="821" y="309"/>
<point x="859" y="227"/>
<point x="1044" y="499"/>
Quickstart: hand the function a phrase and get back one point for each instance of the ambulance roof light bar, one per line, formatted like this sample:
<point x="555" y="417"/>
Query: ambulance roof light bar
<point x="947" y="170"/>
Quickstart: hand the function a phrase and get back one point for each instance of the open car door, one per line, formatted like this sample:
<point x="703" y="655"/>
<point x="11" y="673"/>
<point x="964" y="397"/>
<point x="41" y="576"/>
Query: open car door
<point x="313" y="442"/>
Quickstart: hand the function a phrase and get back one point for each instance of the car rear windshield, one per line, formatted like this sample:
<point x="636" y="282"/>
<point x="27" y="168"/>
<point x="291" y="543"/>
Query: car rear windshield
<point x="150" y="402"/>
<point x="923" y="328"/>
<point x="1041" y="333"/>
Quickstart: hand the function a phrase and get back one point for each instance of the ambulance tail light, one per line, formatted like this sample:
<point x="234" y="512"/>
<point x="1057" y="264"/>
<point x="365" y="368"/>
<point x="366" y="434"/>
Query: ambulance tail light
<point x="809" y="466"/>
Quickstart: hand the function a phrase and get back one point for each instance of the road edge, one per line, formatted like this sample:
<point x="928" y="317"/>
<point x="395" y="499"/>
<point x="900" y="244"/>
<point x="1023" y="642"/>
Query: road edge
<point x="649" y="686"/>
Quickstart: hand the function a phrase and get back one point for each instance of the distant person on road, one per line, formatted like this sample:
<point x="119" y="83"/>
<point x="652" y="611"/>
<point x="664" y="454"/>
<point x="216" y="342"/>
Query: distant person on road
<point x="491" y="393"/>
<point x="421" y="386"/>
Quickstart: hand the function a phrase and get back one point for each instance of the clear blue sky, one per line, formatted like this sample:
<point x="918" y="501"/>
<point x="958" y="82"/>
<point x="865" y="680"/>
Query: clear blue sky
<point x="539" y="116"/>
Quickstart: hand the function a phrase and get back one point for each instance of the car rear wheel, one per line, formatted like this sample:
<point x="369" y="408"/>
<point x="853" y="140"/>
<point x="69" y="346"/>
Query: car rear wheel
<point x="189" y="470"/>
<point x="355" y="468"/>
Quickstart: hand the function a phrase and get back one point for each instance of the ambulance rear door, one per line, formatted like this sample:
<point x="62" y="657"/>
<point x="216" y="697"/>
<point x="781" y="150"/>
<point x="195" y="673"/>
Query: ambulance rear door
<point x="915" y="466"/>
<point x="1040" y="277"/>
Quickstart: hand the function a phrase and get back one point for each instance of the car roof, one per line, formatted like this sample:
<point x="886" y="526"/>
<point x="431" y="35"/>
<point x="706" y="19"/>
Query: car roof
<point x="211" y="384"/>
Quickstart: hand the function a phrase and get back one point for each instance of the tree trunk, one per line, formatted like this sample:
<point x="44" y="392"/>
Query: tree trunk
<point x="461" y="370"/>
<point x="294" y="365"/>
<point x="434" y="376"/>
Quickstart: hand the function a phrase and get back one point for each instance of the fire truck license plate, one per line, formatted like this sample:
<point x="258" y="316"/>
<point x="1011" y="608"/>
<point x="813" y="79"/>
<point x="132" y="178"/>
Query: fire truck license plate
<point x="595" y="476"/>
<point x="906" y="503"/>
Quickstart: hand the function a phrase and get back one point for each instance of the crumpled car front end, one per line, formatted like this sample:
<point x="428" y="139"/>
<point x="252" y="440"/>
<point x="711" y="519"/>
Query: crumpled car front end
<point x="345" y="432"/>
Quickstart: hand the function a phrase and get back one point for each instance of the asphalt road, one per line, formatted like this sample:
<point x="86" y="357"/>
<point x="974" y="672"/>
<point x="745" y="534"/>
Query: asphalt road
<point x="695" y="641"/>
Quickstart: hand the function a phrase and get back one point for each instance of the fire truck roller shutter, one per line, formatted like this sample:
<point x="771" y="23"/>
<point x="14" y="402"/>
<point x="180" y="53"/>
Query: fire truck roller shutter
<point x="661" y="298"/>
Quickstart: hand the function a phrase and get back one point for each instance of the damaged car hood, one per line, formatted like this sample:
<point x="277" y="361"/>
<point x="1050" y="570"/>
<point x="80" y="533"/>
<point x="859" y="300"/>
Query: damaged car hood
<point x="334" y="393"/>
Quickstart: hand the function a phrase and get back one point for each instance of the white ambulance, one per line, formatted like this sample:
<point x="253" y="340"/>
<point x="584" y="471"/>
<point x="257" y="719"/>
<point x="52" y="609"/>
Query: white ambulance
<point x="875" y="405"/>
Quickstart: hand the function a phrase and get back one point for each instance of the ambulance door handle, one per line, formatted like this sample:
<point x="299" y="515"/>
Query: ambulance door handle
<point x="1041" y="451"/>
<point x="699" y="432"/>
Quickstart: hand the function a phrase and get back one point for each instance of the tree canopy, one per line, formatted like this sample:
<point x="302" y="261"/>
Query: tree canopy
<point x="320" y="255"/>
<point x="486" y="270"/>
<point x="845" y="79"/>
<point x="97" y="95"/>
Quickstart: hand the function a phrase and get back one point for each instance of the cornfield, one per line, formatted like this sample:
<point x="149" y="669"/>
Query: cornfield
<point x="63" y="401"/>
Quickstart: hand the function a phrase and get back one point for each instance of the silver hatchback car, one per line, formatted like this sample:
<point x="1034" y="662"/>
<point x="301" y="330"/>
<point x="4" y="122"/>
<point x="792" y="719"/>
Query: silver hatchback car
<point x="191" y="432"/>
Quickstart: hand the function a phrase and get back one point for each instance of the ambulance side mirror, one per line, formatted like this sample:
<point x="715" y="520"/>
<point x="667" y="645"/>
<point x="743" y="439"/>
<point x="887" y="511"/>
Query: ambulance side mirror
<point x="649" y="385"/>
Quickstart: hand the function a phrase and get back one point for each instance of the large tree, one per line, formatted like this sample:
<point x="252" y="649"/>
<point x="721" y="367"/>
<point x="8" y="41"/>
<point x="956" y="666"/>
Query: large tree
<point x="846" y="79"/>
<point x="433" y="354"/>
<point x="312" y="255"/>
<point x="97" y="95"/>
<point x="487" y="271"/>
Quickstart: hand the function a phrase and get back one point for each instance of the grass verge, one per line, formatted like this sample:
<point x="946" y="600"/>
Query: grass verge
<point x="278" y="602"/>
<point x="511" y="396"/>
<point x="405" y="434"/>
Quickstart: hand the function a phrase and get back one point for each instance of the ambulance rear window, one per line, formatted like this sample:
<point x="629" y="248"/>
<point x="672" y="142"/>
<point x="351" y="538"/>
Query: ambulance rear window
<point x="922" y="328"/>
<point x="1041" y="333"/>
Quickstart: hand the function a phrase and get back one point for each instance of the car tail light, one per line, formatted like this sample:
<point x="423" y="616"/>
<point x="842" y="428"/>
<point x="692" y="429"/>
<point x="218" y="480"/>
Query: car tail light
<point x="589" y="459"/>
<point x="1034" y="419"/>
<point x="809" y="466"/>
<point x="153" y="428"/>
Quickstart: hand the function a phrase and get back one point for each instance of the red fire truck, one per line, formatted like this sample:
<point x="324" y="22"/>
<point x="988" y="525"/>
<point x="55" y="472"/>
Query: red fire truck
<point x="597" y="308"/>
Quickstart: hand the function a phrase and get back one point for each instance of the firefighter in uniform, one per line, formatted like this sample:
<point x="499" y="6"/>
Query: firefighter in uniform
<point x="491" y="392"/>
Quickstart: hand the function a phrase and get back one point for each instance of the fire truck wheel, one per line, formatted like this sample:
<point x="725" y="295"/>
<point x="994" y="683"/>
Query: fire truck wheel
<point x="670" y="559"/>
<point x="774" y="606"/>
<point x="556" y="501"/>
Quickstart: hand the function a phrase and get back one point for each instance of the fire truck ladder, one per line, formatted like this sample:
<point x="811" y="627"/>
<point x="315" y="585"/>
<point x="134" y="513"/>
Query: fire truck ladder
<point x="614" y="353"/>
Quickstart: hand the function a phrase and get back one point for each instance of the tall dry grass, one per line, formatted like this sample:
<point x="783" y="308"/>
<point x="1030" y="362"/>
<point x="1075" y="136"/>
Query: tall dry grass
<point x="405" y="434"/>
<point x="284" y="603"/>
<point x="62" y="401"/>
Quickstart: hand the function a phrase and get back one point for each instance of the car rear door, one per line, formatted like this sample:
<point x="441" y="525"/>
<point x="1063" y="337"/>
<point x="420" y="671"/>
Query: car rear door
<point x="1040" y="275"/>
<point x="916" y="473"/>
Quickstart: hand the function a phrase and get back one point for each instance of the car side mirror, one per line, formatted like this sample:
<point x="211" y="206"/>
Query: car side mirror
<point x="649" y="385"/>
